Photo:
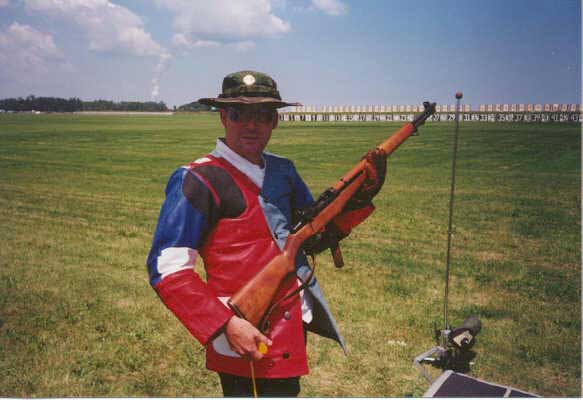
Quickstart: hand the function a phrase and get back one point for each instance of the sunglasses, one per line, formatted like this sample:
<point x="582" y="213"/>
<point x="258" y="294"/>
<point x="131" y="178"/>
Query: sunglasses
<point x="262" y="115"/>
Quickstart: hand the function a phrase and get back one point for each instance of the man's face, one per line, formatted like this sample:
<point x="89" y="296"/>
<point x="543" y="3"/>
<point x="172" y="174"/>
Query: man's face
<point x="248" y="129"/>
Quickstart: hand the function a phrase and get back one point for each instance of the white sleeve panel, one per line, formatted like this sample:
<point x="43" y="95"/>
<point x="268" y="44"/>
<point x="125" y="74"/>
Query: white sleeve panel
<point x="174" y="259"/>
<point x="306" y="306"/>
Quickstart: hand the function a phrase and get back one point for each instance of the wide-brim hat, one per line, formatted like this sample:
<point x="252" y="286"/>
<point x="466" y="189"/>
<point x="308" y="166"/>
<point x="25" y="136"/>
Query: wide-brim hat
<point x="248" y="87"/>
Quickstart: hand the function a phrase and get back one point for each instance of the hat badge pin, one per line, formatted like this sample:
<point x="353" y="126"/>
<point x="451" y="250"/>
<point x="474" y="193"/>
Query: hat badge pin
<point x="248" y="79"/>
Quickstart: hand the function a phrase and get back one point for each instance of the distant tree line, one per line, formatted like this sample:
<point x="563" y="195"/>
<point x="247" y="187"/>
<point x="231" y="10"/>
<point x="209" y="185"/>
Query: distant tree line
<point x="41" y="104"/>
<point x="106" y="105"/>
<point x="56" y="104"/>
<point x="194" y="107"/>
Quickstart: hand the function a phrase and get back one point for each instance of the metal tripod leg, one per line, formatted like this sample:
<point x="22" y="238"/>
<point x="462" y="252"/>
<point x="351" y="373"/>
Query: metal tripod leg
<point x="426" y="357"/>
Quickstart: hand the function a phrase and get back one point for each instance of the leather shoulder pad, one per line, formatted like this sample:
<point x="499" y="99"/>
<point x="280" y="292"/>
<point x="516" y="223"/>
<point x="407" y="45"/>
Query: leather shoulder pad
<point x="226" y="194"/>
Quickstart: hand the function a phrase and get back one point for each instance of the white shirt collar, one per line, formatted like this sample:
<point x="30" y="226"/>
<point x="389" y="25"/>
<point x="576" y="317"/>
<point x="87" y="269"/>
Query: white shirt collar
<point x="253" y="171"/>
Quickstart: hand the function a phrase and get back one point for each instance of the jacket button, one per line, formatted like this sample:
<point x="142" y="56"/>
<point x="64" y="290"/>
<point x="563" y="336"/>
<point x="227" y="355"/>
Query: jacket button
<point x="287" y="315"/>
<point x="285" y="356"/>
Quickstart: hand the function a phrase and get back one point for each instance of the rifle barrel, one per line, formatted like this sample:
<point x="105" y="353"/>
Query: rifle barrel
<point x="391" y="144"/>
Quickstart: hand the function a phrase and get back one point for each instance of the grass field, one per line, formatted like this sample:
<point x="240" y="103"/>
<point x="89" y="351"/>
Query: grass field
<point x="79" y="198"/>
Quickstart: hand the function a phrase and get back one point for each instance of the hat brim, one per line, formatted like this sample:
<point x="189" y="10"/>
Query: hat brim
<point x="225" y="102"/>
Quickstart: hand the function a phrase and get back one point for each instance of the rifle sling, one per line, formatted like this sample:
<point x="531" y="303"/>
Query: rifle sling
<point x="263" y="325"/>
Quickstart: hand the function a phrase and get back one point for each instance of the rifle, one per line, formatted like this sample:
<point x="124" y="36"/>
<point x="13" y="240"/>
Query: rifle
<point x="252" y="301"/>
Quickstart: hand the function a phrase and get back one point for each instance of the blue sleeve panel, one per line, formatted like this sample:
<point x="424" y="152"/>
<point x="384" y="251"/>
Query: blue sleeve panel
<point x="179" y="223"/>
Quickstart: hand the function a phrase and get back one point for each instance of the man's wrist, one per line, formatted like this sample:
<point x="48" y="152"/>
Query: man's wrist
<point x="222" y="329"/>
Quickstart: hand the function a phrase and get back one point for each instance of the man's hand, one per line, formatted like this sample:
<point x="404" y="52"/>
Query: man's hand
<point x="244" y="338"/>
<point x="376" y="170"/>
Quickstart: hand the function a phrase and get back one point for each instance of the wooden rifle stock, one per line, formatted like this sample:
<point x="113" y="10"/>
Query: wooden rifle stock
<point x="253" y="300"/>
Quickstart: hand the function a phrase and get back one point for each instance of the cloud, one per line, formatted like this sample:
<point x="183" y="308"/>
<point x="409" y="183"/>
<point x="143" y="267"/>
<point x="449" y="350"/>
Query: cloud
<point x="4" y="3"/>
<point x="243" y="46"/>
<point x="109" y="27"/>
<point x="27" y="54"/>
<point x="201" y="23"/>
<point x="181" y="40"/>
<point x="330" y="7"/>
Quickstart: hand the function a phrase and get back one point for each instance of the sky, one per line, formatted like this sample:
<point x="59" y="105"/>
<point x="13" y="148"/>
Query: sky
<point x="320" y="52"/>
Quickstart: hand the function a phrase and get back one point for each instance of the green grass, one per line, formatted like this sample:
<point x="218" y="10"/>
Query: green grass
<point x="79" y="198"/>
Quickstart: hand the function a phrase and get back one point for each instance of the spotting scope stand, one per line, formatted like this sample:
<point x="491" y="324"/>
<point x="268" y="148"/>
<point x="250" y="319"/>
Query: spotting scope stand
<point x="452" y="350"/>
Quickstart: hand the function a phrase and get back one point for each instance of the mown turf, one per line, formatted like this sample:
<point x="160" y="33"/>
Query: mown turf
<point x="79" y="198"/>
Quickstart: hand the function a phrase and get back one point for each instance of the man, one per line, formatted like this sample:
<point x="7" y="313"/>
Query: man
<point x="234" y="208"/>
